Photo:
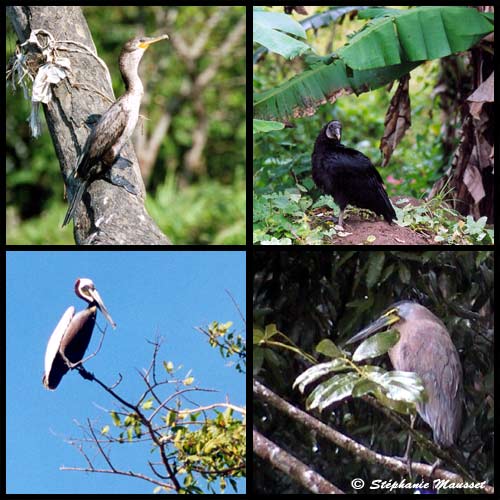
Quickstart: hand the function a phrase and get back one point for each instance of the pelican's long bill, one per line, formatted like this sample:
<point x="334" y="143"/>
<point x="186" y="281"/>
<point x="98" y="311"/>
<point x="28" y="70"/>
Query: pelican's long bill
<point x="387" y="319"/>
<point x="100" y="304"/>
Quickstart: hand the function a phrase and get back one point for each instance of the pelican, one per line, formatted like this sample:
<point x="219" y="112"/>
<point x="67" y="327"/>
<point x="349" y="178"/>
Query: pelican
<point x="71" y="337"/>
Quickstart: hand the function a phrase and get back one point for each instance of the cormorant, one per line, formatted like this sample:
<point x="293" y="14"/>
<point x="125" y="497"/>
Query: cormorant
<point x="348" y="175"/>
<point x="104" y="143"/>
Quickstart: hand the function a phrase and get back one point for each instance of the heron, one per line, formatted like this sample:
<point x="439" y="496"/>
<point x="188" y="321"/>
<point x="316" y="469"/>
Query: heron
<point x="425" y="348"/>
<point x="71" y="337"/>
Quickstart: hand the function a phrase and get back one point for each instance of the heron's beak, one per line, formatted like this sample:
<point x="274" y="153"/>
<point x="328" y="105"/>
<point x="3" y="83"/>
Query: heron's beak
<point x="387" y="319"/>
<point x="150" y="41"/>
<point x="100" y="304"/>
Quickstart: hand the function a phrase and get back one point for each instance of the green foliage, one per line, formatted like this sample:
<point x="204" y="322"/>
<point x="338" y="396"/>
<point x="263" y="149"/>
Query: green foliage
<point x="386" y="48"/>
<point x="219" y="443"/>
<point x="266" y="126"/>
<point x="418" y="34"/>
<point x="206" y="447"/>
<point x="397" y="390"/>
<point x="285" y="195"/>
<point x="33" y="181"/>
<point x="314" y="297"/>
<point x="230" y="344"/>
<point x="280" y="218"/>
<point x="446" y="225"/>
<point x="39" y="231"/>
<point x="269" y="29"/>
<point x="286" y="218"/>
<point x="264" y="341"/>
<point x="208" y="212"/>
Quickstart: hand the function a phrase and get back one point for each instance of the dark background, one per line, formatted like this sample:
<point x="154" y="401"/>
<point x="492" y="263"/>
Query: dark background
<point x="311" y="296"/>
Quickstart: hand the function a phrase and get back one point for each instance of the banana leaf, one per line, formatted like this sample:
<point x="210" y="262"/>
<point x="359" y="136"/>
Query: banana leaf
<point x="389" y="46"/>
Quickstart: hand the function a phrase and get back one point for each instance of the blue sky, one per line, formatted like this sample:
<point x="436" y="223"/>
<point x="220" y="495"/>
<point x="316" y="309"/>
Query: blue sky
<point x="147" y="294"/>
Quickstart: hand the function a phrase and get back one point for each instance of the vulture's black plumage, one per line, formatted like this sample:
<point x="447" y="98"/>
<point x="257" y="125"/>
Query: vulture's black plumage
<point x="348" y="175"/>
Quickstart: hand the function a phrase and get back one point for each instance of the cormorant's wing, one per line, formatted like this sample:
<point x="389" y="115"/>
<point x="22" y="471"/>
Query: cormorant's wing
<point x="105" y="133"/>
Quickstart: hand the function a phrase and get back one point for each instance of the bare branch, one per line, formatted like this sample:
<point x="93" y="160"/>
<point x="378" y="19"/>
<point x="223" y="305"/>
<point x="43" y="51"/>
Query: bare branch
<point x="239" y="409"/>
<point x="142" y="425"/>
<point x="220" y="55"/>
<point x="156" y="472"/>
<point x="96" y="441"/>
<point x="121" y="472"/>
<point x="237" y="306"/>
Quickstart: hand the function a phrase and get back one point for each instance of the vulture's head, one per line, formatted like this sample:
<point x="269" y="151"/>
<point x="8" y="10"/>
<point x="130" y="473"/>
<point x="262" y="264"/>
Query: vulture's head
<point x="334" y="130"/>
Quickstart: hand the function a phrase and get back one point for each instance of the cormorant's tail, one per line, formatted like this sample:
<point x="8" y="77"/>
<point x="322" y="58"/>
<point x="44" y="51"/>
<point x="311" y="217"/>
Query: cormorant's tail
<point x="74" y="202"/>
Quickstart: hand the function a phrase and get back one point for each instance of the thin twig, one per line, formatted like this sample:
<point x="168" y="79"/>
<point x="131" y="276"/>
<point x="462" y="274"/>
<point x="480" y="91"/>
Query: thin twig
<point x="237" y="306"/>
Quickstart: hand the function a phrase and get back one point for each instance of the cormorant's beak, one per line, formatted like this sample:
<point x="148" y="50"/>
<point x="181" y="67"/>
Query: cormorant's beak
<point x="100" y="304"/>
<point x="387" y="319"/>
<point x="149" y="41"/>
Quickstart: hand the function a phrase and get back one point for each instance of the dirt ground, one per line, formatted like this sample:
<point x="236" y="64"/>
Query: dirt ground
<point x="373" y="230"/>
<point x="360" y="231"/>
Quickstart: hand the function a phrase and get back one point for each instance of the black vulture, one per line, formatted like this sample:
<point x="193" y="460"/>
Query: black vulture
<point x="348" y="175"/>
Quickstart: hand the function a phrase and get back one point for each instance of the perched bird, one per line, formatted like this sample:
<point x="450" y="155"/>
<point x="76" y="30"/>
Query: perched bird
<point x="71" y="337"/>
<point x="106" y="140"/>
<point x="348" y="175"/>
<point x="425" y="347"/>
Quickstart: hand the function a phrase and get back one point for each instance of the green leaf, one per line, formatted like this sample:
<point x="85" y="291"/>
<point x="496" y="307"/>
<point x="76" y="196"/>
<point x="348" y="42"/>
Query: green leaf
<point x="300" y="95"/>
<point x="328" y="348"/>
<point x="420" y="34"/>
<point x="312" y="59"/>
<point x="375" y="267"/>
<point x="376" y="345"/>
<point x="263" y="126"/>
<point x="385" y="49"/>
<point x="258" y="335"/>
<point x="137" y="430"/>
<point x="269" y="30"/>
<point x="116" y="418"/>
<point x="169" y="366"/>
<point x="314" y="373"/>
<point x="270" y="331"/>
<point x="147" y="405"/>
<point x="170" y="418"/>
<point x="333" y="390"/>
<point x="224" y="327"/>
